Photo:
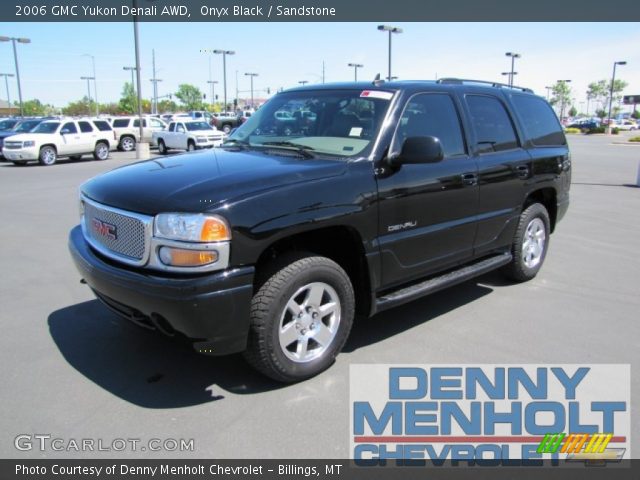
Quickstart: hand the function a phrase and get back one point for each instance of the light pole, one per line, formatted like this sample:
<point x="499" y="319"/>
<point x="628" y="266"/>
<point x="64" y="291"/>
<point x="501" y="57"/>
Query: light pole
<point x="6" y="83"/>
<point x="355" y="66"/>
<point x="251" y="75"/>
<point x="613" y="79"/>
<point x="391" y="30"/>
<point x="95" y="84"/>
<point x="513" y="56"/>
<point x="548" y="92"/>
<point x="88" y="79"/>
<point x="224" y="54"/>
<point x="213" y="90"/>
<point x="15" y="58"/>
<point x="510" y="74"/>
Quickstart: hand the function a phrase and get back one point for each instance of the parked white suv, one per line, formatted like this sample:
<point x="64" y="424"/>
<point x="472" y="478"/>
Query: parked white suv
<point x="188" y="135"/>
<point x="127" y="130"/>
<point x="60" y="138"/>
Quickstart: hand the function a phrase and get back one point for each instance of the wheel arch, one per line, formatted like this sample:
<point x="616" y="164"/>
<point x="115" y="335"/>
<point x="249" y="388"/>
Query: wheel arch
<point x="548" y="198"/>
<point x="342" y="244"/>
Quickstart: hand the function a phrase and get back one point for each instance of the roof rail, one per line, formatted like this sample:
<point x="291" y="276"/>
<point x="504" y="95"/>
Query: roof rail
<point x="462" y="81"/>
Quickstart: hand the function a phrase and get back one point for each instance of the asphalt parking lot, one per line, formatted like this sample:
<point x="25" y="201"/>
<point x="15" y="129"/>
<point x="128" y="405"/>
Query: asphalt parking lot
<point x="71" y="369"/>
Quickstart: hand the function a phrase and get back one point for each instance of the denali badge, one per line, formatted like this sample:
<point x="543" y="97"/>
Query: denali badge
<point x="104" y="229"/>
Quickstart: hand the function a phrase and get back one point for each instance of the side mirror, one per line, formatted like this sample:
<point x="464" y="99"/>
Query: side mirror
<point x="419" y="150"/>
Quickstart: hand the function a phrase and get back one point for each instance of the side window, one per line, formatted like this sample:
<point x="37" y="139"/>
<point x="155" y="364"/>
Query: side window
<point x="85" y="127"/>
<point x="539" y="121"/>
<point x="494" y="129"/>
<point x="156" y="123"/>
<point x="121" y="123"/>
<point x="136" y="123"/>
<point x="179" y="127"/>
<point x="102" y="125"/>
<point x="69" y="127"/>
<point x="171" y="127"/>
<point x="435" y="115"/>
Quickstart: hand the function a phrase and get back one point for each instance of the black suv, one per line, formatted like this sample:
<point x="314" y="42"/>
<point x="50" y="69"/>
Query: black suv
<point x="272" y="244"/>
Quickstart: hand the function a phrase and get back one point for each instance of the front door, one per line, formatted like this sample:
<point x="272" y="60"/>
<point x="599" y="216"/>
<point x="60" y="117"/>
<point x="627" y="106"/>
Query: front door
<point x="427" y="211"/>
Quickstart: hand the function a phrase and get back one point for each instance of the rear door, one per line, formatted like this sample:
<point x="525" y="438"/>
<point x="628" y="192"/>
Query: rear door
<point x="503" y="168"/>
<point x="88" y="136"/>
<point x="427" y="211"/>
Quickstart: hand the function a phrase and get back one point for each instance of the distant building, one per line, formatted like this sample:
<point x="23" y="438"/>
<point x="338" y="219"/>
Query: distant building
<point x="7" y="110"/>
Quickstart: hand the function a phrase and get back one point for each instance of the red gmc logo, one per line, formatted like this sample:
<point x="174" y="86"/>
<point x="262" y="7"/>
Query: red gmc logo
<point x="104" y="229"/>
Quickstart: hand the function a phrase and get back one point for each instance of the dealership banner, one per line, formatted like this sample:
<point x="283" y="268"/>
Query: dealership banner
<point x="315" y="11"/>
<point x="491" y="415"/>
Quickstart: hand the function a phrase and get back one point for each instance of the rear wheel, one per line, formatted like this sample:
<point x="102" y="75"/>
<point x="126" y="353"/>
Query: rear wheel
<point x="300" y="319"/>
<point x="226" y="128"/>
<point x="101" y="152"/>
<point x="127" y="144"/>
<point x="48" y="156"/>
<point x="530" y="244"/>
<point x="162" y="148"/>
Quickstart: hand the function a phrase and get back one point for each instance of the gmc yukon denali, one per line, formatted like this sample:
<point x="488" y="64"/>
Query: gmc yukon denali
<point x="273" y="244"/>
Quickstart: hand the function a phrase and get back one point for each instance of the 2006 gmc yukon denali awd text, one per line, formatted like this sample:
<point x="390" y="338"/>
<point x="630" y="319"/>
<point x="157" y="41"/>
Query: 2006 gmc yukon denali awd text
<point x="272" y="244"/>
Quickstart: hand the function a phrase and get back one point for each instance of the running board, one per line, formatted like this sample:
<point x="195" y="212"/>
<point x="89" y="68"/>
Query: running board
<point x="408" y="294"/>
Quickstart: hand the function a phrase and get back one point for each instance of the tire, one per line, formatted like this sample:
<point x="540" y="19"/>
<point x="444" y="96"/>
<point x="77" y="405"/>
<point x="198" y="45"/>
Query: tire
<point x="101" y="152"/>
<point x="226" y="128"/>
<point x="191" y="146"/>
<point x="162" y="148"/>
<point x="127" y="144"/>
<point x="530" y="244"/>
<point x="288" y="346"/>
<point x="48" y="156"/>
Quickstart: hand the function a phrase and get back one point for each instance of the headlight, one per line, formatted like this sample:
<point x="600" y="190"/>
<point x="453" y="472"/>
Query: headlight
<point x="29" y="143"/>
<point x="188" y="227"/>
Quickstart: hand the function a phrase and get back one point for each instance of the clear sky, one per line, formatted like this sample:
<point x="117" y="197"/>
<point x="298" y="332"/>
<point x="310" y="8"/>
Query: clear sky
<point x="285" y="53"/>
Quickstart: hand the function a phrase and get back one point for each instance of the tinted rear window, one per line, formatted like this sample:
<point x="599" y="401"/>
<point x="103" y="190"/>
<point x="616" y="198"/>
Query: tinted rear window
<point x="85" y="127"/>
<point x="539" y="121"/>
<point x="492" y="124"/>
<point x="102" y="125"/>
<point x="121" y="123"/>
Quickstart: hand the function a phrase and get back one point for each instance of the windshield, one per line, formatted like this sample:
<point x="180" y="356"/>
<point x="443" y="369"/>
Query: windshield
<point x="333" y="122"/>
<point x="46" y="127"/>
<point x="7" y="124"/>
<point x="24" y="127"/>
<point x="194" y="126"/>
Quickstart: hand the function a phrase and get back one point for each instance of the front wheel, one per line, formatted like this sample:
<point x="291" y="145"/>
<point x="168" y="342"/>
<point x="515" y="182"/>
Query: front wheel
<point x="48" y="156"/>
<point x="530" y="244"/>
<point x="101" y="152"/>
<point x="191" y="147"/>
<point x="300" y="319"/>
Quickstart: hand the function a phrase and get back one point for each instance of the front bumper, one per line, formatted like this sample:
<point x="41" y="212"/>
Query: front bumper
<point x="211" y="311"/>
<point x="21" y="154"/>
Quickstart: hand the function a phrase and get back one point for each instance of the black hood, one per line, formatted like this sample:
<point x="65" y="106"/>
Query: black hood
<point x="203" y="181"/>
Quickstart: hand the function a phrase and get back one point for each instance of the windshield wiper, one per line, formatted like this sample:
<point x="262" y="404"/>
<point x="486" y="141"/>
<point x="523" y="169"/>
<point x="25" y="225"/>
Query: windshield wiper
<point x="236" y="143"/>
<point x="304" y="150"/>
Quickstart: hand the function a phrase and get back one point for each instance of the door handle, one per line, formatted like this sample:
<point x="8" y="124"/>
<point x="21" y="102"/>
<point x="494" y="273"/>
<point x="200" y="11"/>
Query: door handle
<point x="469" y="179"/>
<point x="523" y="171"/>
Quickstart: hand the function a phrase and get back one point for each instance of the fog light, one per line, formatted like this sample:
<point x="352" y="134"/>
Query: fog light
<point x="179" y="257"/>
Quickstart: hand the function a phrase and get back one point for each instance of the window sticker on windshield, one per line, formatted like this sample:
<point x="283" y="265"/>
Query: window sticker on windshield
<point x="355" y="132"/>
<point x="376" y="94"/>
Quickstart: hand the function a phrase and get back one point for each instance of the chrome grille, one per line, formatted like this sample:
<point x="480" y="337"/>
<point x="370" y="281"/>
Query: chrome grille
<point x="117" y="233"/>
<point x="13" y="145"/>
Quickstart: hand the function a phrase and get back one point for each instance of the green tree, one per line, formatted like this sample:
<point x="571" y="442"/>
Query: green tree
<point x="561" y="97"/>
<point x="35" y="108"/>
<point x="128" y="99"/>
<point x="598" y="92"/>
<point x="110" y="108"/>
<point x="84" y="106"/>
<point x="636" y="114"/>
<point x="190" y="96"/>
<point x="167" y="106"/>
<point x="601" y="113"/>
<point x="573" y="111"/>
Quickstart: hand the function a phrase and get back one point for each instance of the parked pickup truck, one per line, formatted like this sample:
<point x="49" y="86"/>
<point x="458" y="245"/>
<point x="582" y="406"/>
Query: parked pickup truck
<point x="272" y="244"/>
<point x="127" y="130"/>
<point x="227" y="121"/>
<point x="187" y="135"/>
